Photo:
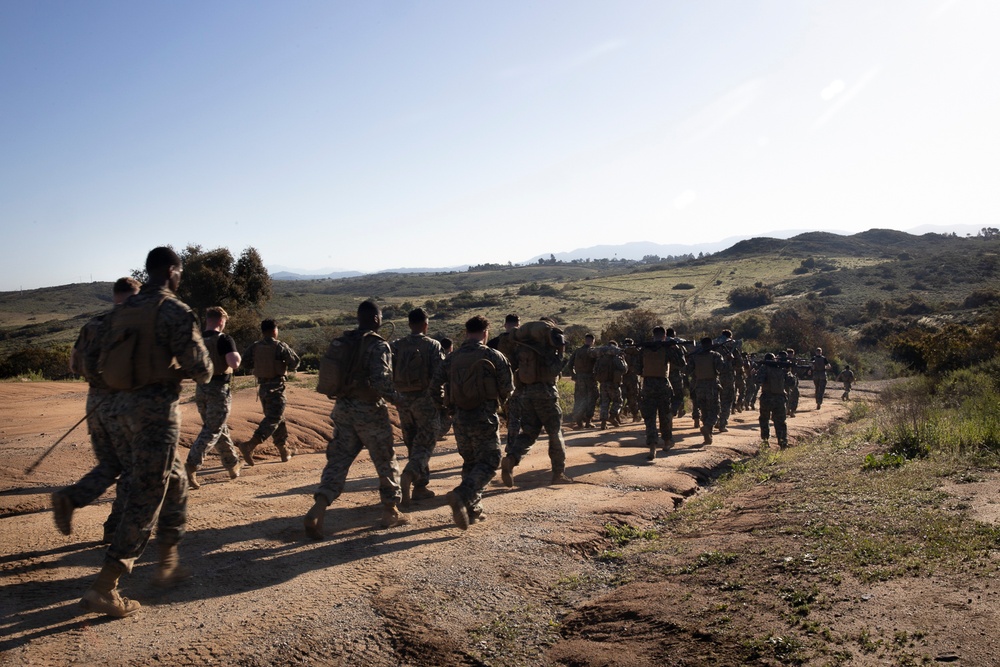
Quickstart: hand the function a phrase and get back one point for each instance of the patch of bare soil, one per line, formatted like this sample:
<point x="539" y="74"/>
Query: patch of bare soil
<point x="528" y="585"/>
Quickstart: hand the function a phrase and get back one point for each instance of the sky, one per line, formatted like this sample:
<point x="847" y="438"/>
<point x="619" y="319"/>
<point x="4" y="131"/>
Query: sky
<point x="374" y="134"/>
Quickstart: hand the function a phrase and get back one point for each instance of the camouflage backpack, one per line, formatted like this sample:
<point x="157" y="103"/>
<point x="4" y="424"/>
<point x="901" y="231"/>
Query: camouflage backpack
<point x="472" y="379"/>
<point x="654" y="360"/>
<point x="539" y="352"/>
<point x="610" y="367"/>
<point x="340" y="368"/>
<point x="129" y="356"/>
<point x="84" y="342"/>
<point x="410" y="364"/>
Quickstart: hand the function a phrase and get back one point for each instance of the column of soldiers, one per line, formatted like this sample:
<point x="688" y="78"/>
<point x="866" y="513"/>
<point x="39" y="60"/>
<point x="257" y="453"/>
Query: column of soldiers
<point x="136" y="356"/>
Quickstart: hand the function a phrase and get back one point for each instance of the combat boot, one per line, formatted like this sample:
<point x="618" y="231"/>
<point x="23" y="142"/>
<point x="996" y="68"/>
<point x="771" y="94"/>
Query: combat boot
<point x="62" y="512"/>
<point x="697" y="424"/>
<point x="314" y="518"/>
<point x="103" y="598"/>
<point x="246" y="449"/>
<point x="723" y="429"/>
<point x="507" y="471"/>
<point x="560" y="478"/>
<point x="604" y="424"/>
<point x="707" y="432"/>
<point x="192" y="475"/>
<point x="616" y="421"/>
<point x="392" y="517"/>
<point x="170" y="572"/>
<point x="459" y="512"/>
<point x="422" y="493"/>
<point x="652" y="453"/>
<point x="234" y="471"/>
<point x="405" y="482"/>
<point x="284" y="452"/>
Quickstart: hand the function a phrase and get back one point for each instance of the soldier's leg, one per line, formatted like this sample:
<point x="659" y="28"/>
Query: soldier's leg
<point x="666" y="422"/>
<point x="551" y="416"/>
<point x="376" y="434"/>
<point x="649" y="415"/>
<point x="605" y="391"/>
<point x="764" y="419"/>
<point x="513" y="416"/>
<point x="820" y="384"/>
<point x="780" y="426"/>
<point x="481" y="455"/>
<point x="424" y="415"/>
<point x="616" y="404"/>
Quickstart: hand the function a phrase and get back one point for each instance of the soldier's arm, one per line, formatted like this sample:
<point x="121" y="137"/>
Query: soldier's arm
<point x="289" y="357"/>
<point x="438" y="381"/>
<point x="178" y="324"/>
<point x="505" y="378"/>
<point x="380" y="371"/>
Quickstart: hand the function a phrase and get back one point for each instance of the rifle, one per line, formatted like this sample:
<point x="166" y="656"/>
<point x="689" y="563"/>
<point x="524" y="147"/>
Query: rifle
<point x="34" y="466"/>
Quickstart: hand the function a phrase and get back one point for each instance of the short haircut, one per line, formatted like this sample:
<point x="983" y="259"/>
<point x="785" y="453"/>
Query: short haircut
<point x="629" y="341"/>
<point x="446" y="343"/>
<point x="669" y="332"/>
<point x="368" y="308"/>
<point x="727" y="333"/>
<point x="590" y="336"/>
<point x="790" y="352"/>
<point x="659" y="331"/>
<point x="613" y="343"/>
<point x="161" y="259"/>
<point x="418" y="316"/>
<point x="477" y="324"/>
<point x="512" y="319"/>
<point x="216" y="313"/>
<point x="268" y="326"/>
<point x="126" y="285"/>
<point x="706" y="342"/>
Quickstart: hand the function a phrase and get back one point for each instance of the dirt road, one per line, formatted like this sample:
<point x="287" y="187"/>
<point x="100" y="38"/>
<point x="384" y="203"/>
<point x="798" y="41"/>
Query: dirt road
<point x="422" y="594"/>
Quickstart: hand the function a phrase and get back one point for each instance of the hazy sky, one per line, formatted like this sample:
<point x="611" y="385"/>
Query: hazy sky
<point x="367" y="135"/>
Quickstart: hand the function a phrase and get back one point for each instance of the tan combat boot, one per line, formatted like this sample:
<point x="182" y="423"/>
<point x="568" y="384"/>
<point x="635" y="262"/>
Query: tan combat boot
<point x="314" y="518"/>
<point x="392" y="517"/>
<point x="234" y="472"/>
<point x="459" y="512"/>
<point x="246" y="449"/>
<point x="170" y="572"/>
<point x="103" y="598"/>
<point x="284" y="452"/>
<point x="405" y="482"/>
<point x="561" y="478"/>
<point x="507" y="471"/>
<point x="192" y="475"/>
<point x="62" y="512"/>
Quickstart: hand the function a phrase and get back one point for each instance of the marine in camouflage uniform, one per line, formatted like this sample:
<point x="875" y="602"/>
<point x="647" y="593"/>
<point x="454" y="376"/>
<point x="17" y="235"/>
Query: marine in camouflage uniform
<point x="149" y="419"/>
<point x="418" y="407"/>
<point x="704" y="365"/>
<point x="792" y="388"/>
<point x="361" y="421"/>
<point x="727" y="378"/>
<point x="506" y="346"/>
<point x="612" y="358"/>
<point x="477" y="427"/>
<point x="214" y="400"/>
<point x="581" y="367"/>
<point x="657" y="393"/>
<point x="772" y="378"/>
<point x="631" y="389"/>
<point x="847" y="377"/>
<point x="104" y="434"/>
<point x="819" y="368"/>
<point x="269" y="359"/>
<point x="678" y="366"/>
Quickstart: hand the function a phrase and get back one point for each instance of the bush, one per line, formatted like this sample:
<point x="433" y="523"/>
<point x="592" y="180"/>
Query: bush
<point x="982" y="297"/>
<point x="683" y="286"/>
<point x="621" y="305"/>
<point x="51" y="363"/>
<point x="743" y="298"/>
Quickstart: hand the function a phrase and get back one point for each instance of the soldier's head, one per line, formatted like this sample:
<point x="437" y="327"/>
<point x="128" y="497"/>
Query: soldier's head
<point x="783" y="354"/>
<point x="613" y="343"/>
<point x="477" y="328"/>
<point x="769" y="356"/>
<point x="269" y="328"/>
<point x="706" y="343"/>
<point x="511" y="322"/>
<point x="123" y="289"/>
<point x="369" y="316"/>
<point x="588" y="340"/>
<point x="216" y="318"/>
<point x="628" y="341"/>
<point x="659" y="333"/>
<point x="726" y="333"/>
<point x="819" y="350"/>
<point x="670" y="331"/>
<point x="847" y="367"/>
<point x="446" y="345"/>
<point x="164" y="267"/>
<point x="418" y="320"/>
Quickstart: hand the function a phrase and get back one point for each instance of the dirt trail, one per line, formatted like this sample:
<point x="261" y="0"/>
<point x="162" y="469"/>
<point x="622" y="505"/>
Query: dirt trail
<point x="426" y="593"/>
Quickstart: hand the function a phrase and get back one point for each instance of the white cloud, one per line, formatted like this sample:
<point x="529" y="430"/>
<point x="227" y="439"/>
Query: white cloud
<point x="836" y="87"/>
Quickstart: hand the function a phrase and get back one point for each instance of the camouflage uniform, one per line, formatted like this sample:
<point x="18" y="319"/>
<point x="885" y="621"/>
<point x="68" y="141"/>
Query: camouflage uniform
<point x="819" y="363"/>
<point x="477" y="431"/>
<point x="149" y="420"/>
<point x="792" y="391"/>
<point x="678" y="365"/>
<point x="271" y="392"/>
<point x="847" y="377"/>
<point x="581" y="366"/>
<point x="361" y="421"/>
<point x="705" y="366"/>
<point x="657" y="394"/>
<point x="631" y="392"/>
<point x="418" y="414"/>
<point x="771" y="379"/>
<point x="214" y="400"/>
<point x="727" y="386"/>
<point x="540" y="409"/>
<point x="505" y="344"/>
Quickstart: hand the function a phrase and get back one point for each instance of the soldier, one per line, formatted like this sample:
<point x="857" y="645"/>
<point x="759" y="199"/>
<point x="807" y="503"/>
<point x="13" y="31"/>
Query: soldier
<point x="678" y="366"/>
<point x="609" y="371"/>
<point x="479" y="380"/>
<point x="705" y="365"/>
<point x="214" y="400"/>
<point x="444" y="414"/>
<point x="727" y="378"/>
<point x="538" y="367"/>
<point x="630" y="384"/>
<point x="505" y="344"/>
<point x="657" y="394"/>
<point x="147" y="346"/>
<point x="819" y="367"/>
<point x="361" y="421"/>
<point x="105" y="436"/>
<point x="581" y="367"/>
<point x="847" y="377"/>
<point x="269" y="359"/>
<point x="792" y="388"/>
<point x="415" y="360"/>
<point x="772" y="376"/>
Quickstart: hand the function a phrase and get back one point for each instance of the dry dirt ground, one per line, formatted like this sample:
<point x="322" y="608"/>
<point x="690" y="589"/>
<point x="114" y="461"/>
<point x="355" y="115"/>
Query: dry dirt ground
<point x="501" y="593"/>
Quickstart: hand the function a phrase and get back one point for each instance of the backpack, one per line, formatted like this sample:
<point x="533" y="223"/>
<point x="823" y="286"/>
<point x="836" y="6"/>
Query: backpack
<point x="266" y="362"/>
<point x="472" y="379"/>
<point x="340" y="368"/>
<point x="610" y="367"/>
<point x="774" y="380"/>
<point x="409" y="365"/>
<point x="654" y="360"/>
<point x="84" y="342"/>
<point x="539" y="352"/>
<point x="129" y="357"/>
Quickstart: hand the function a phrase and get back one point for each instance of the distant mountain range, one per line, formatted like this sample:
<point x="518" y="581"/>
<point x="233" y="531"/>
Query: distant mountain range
<point x="635" y="250"/>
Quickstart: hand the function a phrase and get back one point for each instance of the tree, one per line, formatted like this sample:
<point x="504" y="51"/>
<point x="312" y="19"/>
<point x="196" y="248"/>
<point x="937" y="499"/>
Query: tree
<point x="636" y="324"/>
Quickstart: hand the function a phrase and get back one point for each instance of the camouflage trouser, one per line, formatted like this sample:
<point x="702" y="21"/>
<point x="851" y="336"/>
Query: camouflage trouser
<point x="631" y="394"/>
<point x="846" y="396"/>
<point x="772" y="407"/>
<point x="793" y="398"/>
<point x="540" y="409"/>
<point x="419" y="420"/>
<point x="706" y="398"/>
<point x="157" y="494"/>
<point x="358" y="425"/>
<point x="741" y="392"/>
<point x="751" y="398"/>
<point x="611" y="400"/>
<point x="105" y="437"/>
<point x="584" y="397"/>
<point x="477" y="433"/>
<point x="656" y="404"/>
<point x="727" y="395"/>
<point x="677" y="389"/>
<point x="820" y="383"/>
<point x="272" y="400"/>
<point x="213" y="400"/>
<point x="513" y="410"/>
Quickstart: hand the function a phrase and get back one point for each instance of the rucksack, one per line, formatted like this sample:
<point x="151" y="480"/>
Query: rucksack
<point x="610" y="367"/>
<point x="774" y="380"/>
<point x="472" y="379"/>
<point x="129" y="357"/>
<point x="266" y="362"/>
<point x="410" y="365"/>
<point x="340" y="368"/>
<point x="539" y="352"/>
<point x="654" y="360"/>
<point x="87" y="338"/>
